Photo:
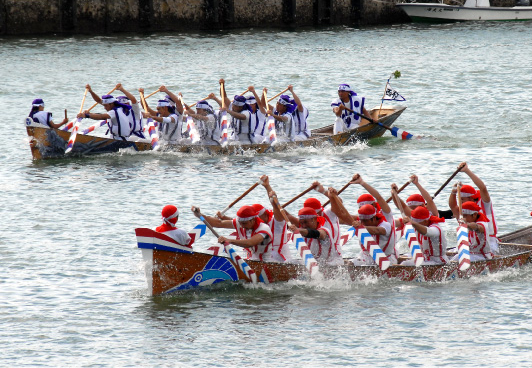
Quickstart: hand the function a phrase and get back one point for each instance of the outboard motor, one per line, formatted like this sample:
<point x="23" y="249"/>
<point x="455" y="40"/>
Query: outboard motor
<point x="522" y="2"/>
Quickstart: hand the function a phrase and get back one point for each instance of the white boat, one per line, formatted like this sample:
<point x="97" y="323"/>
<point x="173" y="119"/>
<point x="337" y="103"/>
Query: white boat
<point x="471" y="10"/>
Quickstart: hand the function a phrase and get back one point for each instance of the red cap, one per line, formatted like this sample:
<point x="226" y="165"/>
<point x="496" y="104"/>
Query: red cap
<point x="170" y="213"/>
<point x="470" y="208"/>
<point x="313" y="203"/>
<point x="246" y="213"/>
<point x="420" y="214"/>
<point x="469" y="191"/>
<point x="259" y="208"/>
<point x="367" y="212"/>
<point x="415" y="200"/>
<point x="364" y="199"/>
<point x="307" y="212"/>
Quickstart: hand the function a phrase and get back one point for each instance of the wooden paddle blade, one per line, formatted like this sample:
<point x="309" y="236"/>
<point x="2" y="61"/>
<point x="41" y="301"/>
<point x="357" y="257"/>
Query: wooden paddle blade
<point x="248" y="271"/>
<point x="369" y="245"/>
<point x="306" y="255"/>
<point x="413" y="245"/>
<point x="464" y="258"/>
<point x="73" y="135"/>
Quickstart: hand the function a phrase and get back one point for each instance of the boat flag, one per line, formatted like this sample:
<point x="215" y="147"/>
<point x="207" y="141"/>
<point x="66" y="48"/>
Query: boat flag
<point x="464" y="258"/>
<point x="390" y="94"/>
<point x="368" y="244"/>
<point x="413" y="245"/>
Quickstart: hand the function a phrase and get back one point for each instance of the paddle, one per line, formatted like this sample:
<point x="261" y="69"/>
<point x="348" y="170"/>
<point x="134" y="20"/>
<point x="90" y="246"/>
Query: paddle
<point x="410" y="234"/>
<point x="235" y="258"/>
<point x="304" y="251"/>
<point x="462" y="236"/>
<point x="396" y="132"/>
<point x="399" y="190"/>
<point x="94" y="126"/>
<point x="224" y="141"/>
<point x="298" y="196"/>
<point x="277" y="95"/>
<point x="151" y="126"/>
<point x="154" y="92"/>
<point x="270" y="123"/>
<point x="241" y="196"/>
<point x="448" y="180"/>
<point x="73" y="135"/>
<point x="342" y="189"/>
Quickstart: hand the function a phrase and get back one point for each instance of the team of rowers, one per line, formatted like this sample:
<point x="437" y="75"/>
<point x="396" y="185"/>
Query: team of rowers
<point x="264" y="233"/>
<point x="247" y="118"/>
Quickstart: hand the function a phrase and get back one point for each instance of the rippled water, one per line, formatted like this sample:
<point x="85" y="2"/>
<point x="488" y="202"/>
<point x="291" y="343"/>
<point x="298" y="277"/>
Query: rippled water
<point x="72" y="285"/>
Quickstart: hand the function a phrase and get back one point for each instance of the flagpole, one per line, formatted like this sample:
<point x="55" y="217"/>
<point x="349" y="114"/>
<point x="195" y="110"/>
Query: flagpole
<point x="382" y="99"/>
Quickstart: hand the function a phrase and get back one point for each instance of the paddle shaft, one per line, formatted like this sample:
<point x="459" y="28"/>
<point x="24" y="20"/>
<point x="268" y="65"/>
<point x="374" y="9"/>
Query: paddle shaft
<point x="241" y="196"/>
<point x="154" y="92"/>
<point x="275" y="202"/>
<point x="399" y="191"/>
<point x="198" y="213"/>
<point x="82" y="101"/>
<point x="277" y="95"/>
<point x="298" y="196"/>
<point x="399" y="204"/>
<point x="143" y="101"/>
<point x="93" y="106"/>
<point x="368" y="118"/>
<point x="447" y="182"/>
<point x="340" y="191"/>
<point x="459" y="199"/>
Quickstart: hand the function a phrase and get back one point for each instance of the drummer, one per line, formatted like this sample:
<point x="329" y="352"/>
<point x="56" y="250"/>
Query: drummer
<point x="170" y="215"/>
<point x="38" y="115"/>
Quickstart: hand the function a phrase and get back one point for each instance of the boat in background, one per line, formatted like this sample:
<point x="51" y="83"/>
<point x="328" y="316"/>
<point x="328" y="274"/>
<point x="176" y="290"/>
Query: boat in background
<point x="171" y="267"/>
<point x="49" y="143"/>
<point x="478" y="10"/>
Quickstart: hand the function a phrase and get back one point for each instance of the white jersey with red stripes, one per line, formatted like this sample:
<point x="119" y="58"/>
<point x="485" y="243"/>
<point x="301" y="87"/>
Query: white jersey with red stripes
<point x="487" y="209"/>
<point x="328" y="251"/>
<point x="261" y="251"/>
<point x="433" y="245"/>
<point x="478" y="242"/>
<point x="280" y="252"/>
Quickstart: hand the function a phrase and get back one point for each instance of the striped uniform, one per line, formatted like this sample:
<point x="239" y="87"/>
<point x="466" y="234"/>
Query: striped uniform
<point x="261" y="251"/>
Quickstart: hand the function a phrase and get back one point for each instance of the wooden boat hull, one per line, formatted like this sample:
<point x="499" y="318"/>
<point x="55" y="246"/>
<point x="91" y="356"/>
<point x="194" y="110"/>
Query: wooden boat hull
<point x="169" y="269"/>
<point x="51" y="143"/>
<point x="437" y="13"/>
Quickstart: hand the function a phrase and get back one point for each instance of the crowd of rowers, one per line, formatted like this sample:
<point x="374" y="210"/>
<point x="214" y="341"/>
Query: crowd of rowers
<point x="126" y="120"/>
<point x="264" y="233"/>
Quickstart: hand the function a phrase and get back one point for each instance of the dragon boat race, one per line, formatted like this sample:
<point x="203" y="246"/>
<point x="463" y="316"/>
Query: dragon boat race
<point x="330" y="195"/>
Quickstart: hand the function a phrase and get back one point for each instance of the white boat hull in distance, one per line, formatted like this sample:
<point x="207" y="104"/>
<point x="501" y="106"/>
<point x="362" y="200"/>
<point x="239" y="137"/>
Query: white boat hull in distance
<point x="433" y="12"/>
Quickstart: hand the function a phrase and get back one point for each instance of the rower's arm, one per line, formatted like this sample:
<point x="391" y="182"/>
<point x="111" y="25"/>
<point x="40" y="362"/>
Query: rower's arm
<point x="338" y="208"/>
<point x="376" y="230"/>
<point x="304" y="233"/>
<point x="236" y="115"/>
<point x="95" y="97"/>
<point x="484" y="194"/>
<point x="431" y="206"/>
<point x="296" y="98"/>
<point x="280" y="118"/>
<point x="176" y="99"/>
<point x="247" y="243"/>
<point x="127" y="93"/>
<point x="375" y="193"/>
<point x="216" y="222"/>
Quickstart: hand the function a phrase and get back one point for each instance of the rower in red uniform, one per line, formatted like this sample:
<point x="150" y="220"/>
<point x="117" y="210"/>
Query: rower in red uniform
<point x="252" y="233"/>
<point x="376" y="216"/>
<point x="170" y="215"/>
<point x="430" y="236"/>
<point x="481" y="198"/>
<point x="275" y="220"/>
<point x="318" y="235"/>
<point x="478" y="232"/>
